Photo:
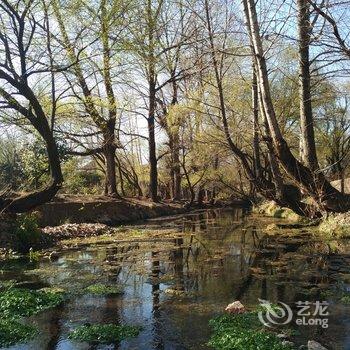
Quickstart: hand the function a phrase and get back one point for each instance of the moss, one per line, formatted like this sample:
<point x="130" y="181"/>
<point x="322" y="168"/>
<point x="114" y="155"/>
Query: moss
<point x="15" y="302"/>
<point x="243" y="332"/>
<point x="53" y="290"/>
<point x="104" y="333"/>
<point x="272" y="209"/>
<point x="335" y="225"/>
<point x="13" y="332"/>
<point x="101" y="289"/>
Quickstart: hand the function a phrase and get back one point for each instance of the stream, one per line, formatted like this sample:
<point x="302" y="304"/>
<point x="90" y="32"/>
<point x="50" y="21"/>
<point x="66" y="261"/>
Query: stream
<point x="174" y="285"/>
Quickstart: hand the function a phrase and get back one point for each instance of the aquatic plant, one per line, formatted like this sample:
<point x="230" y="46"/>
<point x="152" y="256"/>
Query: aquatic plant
<point x="15" y="302"/>
<point x="243" y="332"/>
<point x="13" y="332"/>
<point x="345" y="299"/>
<point x="104" y="333"/>
<point x="100" y="289"/>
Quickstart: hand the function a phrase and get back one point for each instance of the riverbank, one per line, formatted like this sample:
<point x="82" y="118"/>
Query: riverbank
<point x="103" y="210"/>
<point x="336" y="225"/>
<point x="70" y="217"/>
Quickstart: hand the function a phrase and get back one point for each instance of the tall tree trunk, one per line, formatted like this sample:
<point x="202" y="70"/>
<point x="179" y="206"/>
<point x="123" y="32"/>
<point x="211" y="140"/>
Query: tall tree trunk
<point x="308" y="147"/>
<point x="175" y="166"/>
<point x="256" y="148"/>
<point x="109" y="126"/>
<point x="109" y="154"/>
<point x="153" y="179"/>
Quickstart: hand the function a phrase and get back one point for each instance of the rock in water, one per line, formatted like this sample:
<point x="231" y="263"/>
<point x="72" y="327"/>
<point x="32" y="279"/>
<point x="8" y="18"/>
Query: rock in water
<point x="235" y="308"/>
<point x="313" y="345"/>
<point x="54" y="256"/>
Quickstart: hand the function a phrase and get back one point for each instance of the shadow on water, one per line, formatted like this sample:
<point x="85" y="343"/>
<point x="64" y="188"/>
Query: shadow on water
<point x="173" y="284"/>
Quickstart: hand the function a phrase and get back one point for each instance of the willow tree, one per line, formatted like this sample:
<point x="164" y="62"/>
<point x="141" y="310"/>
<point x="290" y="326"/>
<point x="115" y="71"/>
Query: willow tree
<point x="93" y="67"/>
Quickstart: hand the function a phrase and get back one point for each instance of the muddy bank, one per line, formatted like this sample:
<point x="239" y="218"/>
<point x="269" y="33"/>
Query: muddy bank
<point x="104" y="210"/>
<point x="109" y="211"/>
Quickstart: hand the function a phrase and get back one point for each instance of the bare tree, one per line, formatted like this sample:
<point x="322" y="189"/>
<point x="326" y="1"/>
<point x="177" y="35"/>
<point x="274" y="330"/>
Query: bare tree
<point x="22" y="65"/>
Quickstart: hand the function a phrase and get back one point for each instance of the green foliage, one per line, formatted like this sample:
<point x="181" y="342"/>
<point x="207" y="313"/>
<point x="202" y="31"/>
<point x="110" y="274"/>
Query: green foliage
<point x="27" y="232"/>
<point x="11" y="172"/>
<point x="101" y="289"/>
<point x="34" y="256"/>
<point x="79" y="181"/>
<point x="243" y="332"/>
<point x="13" y="332"/>
<point x="34" y="164"/>
<point x="104" y="333"/>
<point x="15" y="303"/>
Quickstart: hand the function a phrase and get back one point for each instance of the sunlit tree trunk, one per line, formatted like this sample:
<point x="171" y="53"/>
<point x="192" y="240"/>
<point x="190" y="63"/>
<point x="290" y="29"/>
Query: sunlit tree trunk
<point x="153" y="175"/>
<point x="308" y="147"/>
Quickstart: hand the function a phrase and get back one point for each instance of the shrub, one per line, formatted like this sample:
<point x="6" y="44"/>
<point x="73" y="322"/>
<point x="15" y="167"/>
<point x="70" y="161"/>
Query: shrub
<point x="345" y="299"/>
<point x="26" y="232"/>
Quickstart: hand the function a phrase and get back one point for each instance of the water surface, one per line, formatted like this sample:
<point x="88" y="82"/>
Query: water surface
<point x="174" y="284"/>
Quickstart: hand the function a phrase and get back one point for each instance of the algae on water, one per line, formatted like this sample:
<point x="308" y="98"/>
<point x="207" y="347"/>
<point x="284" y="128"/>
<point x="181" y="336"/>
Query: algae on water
<point x="101" y="290"/>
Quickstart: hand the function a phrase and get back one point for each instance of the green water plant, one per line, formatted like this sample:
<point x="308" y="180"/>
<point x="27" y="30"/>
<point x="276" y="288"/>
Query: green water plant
<point x="16" y="302"/>
<point x="345" y="299"/>
<point x="13" y="332"/>
<point x="100" y="289"/>
<point x="104" y="333"/>
<point x="243" y="332"/>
